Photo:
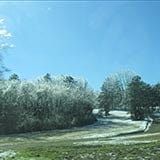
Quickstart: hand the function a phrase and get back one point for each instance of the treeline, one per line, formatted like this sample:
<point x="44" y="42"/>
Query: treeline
<point x="127" y="91"/>
<point x="64" y="102"/>
<point x="44" y="104"/>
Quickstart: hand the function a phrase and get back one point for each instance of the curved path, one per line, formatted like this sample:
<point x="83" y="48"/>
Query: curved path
<point x="118" y="123"/>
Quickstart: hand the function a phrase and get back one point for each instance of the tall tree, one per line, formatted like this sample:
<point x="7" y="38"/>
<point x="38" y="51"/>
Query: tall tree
<point x="156" y="97"/>
<point x="140" y="97"/>
<point x="113" y="91"/>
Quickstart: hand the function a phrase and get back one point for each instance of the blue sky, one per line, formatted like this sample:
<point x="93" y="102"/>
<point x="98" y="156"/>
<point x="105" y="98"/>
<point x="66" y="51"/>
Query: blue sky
<point x="83" y="39"/>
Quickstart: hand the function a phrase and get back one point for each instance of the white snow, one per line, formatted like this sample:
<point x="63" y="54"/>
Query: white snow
<point x="7" y="154"/>
<point x="114" y="142"/>
<point x="95" y="111"/>
<point x="118" y="123"/>
<point x="123" y="114"/>
<point x="114" y="129"/>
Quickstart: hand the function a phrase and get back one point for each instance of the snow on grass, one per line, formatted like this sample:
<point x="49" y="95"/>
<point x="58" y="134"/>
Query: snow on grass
<point x="121" y="133"/>
<point x="135" y="136"/>
<point x="123" y="114"/>
<point x="95" y="111"/>
<point x="126" y="140"/>
<point x="113" y="142"/>
<point x="124" y="117"/>
<point x="7" y="154"/>
<point x="117" y="123"/>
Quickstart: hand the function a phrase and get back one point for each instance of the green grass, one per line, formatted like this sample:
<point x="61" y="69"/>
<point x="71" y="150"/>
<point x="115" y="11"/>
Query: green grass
<point x="106" y="152"/>
<point x="30" y="146"/>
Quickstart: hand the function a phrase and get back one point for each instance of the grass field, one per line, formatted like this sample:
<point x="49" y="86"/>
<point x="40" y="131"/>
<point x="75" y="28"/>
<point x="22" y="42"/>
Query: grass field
<point x="67" y="150"/>
<point x="64" y="145"/>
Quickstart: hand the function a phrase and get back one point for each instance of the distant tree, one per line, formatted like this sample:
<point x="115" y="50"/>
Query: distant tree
<point x="140" y="97"/>
<point x="124" y="78"/>
<point x="69" y="81"/>
<point x="14" y="77"/>
<point x="47" y="77"/>
<point x="106" y="97"/>
<point x="156" y="96"/>
<point x="113" y="91"/>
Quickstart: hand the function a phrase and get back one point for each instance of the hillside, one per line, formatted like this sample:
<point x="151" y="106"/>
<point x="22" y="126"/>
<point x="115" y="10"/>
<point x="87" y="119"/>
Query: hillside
<point x="97" y="140"/>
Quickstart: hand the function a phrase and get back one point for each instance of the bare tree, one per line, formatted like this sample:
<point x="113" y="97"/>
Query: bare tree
<point x="113" y="91"/>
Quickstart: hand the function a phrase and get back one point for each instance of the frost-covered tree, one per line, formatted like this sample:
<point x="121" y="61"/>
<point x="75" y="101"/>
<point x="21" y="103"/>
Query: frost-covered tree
<point x="113" y="91"/>
<point x="5" y="35"/>
<point x="47" y="77"/>
<point x="43" y="105"/>
<point x="14" y="77"/>
<point x="9" y="108"/>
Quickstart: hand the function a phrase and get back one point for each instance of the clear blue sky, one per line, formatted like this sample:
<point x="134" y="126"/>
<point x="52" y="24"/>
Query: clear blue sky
<point x="83" y="39"/>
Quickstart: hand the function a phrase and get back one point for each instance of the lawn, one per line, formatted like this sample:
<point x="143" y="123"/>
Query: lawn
<point x="68" y="151"/>
<point x="65" y="145"/>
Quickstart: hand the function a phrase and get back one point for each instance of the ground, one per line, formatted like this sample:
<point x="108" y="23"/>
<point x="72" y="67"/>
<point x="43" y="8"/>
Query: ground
<point x="113" y="138"/>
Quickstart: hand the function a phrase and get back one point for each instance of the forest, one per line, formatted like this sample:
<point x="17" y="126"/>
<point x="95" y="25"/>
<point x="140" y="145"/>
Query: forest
<point x="49" y="103"/>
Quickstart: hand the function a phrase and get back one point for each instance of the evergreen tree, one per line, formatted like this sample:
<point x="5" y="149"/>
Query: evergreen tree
<point x="14" y="77"/>
<point x="47" y="77"/>
<point x="156" y="97"/>
<point x="140" y="98"/>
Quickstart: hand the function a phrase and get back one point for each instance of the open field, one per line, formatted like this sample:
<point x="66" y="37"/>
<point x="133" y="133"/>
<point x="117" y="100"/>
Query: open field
<point x="114" y="138"/>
